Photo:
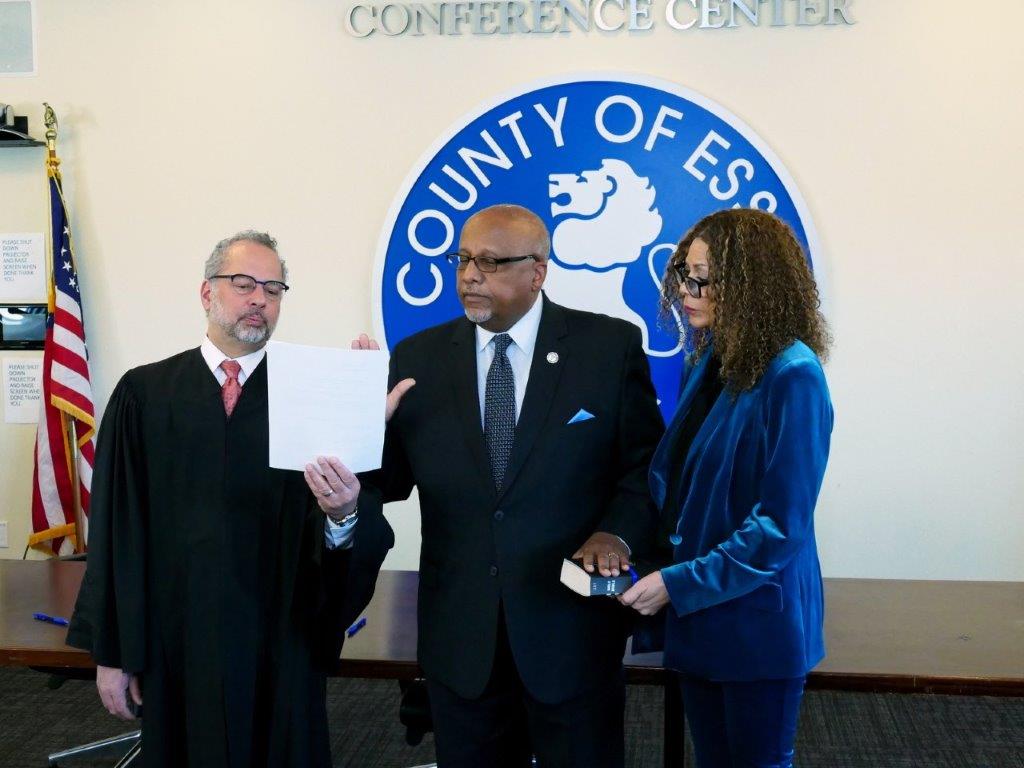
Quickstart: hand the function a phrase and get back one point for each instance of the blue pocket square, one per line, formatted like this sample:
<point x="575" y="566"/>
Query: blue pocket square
<point x="581" y="415"/>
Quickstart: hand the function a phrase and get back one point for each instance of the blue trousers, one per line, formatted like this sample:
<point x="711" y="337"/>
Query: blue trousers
<point x="742" y="724"/>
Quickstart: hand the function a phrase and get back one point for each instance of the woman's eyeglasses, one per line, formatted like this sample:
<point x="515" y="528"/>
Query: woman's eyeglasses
<point x="693" y="285"/>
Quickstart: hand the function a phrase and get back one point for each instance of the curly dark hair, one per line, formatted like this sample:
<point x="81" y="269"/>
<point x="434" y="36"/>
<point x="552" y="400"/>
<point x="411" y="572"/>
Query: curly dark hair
<point x="765" y="297"/>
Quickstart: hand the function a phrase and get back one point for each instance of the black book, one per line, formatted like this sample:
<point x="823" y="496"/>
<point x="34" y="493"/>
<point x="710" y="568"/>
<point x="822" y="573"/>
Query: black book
<point x="591" y="584"/>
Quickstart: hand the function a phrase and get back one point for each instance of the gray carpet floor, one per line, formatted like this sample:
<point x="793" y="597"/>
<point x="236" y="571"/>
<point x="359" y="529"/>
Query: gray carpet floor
<point x="837" y="730"/>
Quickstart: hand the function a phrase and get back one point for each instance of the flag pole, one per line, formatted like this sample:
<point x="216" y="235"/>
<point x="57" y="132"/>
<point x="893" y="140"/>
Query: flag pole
<point x="68" y="424"/>
<point x="52" y="161"/>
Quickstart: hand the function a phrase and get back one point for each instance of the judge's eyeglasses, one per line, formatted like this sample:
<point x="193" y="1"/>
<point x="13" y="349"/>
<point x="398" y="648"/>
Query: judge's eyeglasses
<point x="246" y="284"/>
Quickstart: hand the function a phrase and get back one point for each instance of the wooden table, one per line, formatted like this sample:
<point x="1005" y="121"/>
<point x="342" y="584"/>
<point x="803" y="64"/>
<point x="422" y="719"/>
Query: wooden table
<point x="881" y="635"/>
<point x="956" y="637"/>
<point x="963" y="637"/>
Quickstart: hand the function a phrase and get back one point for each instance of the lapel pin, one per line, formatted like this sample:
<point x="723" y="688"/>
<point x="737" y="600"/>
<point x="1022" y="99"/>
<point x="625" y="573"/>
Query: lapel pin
<point x="552" y="357"/>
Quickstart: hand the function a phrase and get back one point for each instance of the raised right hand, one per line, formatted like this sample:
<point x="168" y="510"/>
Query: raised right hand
<point x="395" y="395"/>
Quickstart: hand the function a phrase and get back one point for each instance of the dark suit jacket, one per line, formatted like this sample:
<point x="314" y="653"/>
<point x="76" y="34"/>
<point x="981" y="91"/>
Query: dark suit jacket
<point x="564" y="482"/>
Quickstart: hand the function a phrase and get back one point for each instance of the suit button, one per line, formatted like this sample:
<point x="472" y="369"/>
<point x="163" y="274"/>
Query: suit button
<point x="494" y="570"/>
<point x="499" y="515"/>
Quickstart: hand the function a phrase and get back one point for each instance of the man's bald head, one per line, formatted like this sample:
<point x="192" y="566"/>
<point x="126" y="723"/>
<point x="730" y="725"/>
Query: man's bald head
<point x="527" y="226"/>
<point x="515" y="245"/>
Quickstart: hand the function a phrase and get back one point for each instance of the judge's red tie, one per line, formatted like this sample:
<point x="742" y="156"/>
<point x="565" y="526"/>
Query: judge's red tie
<point x="230" y="390"/>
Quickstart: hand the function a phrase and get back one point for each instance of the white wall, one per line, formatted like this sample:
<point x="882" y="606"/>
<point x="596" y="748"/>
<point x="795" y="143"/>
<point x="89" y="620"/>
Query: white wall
<point x="182" y="122"/>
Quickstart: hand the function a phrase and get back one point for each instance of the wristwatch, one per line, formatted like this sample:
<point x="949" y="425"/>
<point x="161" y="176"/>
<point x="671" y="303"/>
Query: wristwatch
<point x="347" y="518"/>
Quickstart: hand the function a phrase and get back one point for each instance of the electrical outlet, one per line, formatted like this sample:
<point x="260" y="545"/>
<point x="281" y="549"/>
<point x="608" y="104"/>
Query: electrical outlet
<point x="3" y="534"/>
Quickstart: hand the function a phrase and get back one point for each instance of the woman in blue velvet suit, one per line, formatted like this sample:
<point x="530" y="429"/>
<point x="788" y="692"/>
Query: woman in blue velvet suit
<point x="738" y="473"/>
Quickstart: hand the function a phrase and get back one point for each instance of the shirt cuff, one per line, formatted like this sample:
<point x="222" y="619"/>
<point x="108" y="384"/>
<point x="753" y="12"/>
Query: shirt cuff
<point x="339" y="536"/>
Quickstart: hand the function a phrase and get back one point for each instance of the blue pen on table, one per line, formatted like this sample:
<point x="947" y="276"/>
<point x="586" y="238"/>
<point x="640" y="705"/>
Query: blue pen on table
<point x="356" y="627"/>
<point x="50" y="619"/>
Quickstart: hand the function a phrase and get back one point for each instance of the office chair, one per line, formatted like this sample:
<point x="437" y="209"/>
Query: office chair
<point x="132" y="740"/>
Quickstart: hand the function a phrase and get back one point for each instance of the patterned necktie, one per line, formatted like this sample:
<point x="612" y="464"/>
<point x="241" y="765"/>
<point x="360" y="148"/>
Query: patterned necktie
<point x="230" y="390"/>
<point x="500" y="409"/>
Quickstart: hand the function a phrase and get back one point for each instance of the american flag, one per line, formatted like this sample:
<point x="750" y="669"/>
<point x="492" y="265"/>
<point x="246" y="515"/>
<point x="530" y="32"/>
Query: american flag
<point x="66" y="413"/>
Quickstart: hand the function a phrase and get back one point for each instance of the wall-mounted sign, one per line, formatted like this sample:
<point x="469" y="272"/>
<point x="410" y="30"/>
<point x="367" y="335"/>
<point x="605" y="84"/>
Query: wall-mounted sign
<point x="618" y="166"/>
<point x="22" y="267"/>
<point x="17" y="37"/>
<point x="546" y="17"/>
<point x="22" y="389"/>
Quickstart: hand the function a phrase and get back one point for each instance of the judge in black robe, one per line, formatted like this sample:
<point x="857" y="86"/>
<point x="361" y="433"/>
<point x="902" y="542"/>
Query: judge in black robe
<point x="208" y="575"/>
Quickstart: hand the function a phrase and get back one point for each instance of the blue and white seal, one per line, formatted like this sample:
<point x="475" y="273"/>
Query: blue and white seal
<point x="619" y="166"/>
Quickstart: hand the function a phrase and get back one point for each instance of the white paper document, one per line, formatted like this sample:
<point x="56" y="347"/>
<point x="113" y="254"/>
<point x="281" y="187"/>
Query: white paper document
<point x="22" y="267"/>
<point x="326" y="402"/>
<point x="23" y="387"/>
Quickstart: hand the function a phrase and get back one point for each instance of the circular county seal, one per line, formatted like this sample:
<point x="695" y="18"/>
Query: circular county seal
<point x="618" y="166"/>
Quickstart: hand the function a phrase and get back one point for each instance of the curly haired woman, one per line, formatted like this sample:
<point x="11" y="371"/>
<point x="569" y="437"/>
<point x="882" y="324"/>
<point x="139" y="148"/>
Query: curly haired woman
<point x="739" y="470"/>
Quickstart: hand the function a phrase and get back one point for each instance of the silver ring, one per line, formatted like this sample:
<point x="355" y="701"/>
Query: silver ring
<point x="328" y="492"/>
<point x="614" y="554"/>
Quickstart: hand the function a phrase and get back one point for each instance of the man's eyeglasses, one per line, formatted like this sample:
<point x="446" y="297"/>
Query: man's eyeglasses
<point x="246" y="284"/>
<point x="693" y="285"/>
<point x="483" y="263"/>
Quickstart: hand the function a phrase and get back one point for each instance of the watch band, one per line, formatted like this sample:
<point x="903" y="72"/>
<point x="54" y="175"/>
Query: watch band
<point x="347" y="518"/>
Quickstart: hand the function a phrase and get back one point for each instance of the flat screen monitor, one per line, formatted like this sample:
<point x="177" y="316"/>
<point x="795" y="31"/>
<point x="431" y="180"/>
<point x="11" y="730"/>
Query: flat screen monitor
<point x="22" y="326"/>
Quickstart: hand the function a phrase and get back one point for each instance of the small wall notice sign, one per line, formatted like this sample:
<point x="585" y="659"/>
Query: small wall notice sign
<point x="17" y="38"/>
<point x="22" y="267"/>
<point x="23" y="386"/>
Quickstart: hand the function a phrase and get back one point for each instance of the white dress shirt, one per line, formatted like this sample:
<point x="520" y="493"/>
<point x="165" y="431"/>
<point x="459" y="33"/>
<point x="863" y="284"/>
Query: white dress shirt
<point x="335" y="535"/>
<point x="520" y="354"/>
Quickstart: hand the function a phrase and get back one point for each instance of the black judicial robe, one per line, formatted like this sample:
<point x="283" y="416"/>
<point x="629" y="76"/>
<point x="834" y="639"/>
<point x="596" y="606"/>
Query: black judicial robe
<point x="207" y="574"/>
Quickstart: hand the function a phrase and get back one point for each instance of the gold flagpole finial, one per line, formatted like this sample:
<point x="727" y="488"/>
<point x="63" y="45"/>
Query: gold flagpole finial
<point x="50" y="119"/>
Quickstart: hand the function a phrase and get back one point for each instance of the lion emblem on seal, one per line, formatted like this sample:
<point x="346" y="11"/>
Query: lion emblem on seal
<point x="604" y="221"/>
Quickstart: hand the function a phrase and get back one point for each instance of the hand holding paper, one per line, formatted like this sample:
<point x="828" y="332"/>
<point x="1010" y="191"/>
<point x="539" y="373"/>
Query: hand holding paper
<point x="335" y="487"/>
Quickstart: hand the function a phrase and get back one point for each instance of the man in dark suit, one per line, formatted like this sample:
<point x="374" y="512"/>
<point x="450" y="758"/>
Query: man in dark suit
<point x="528" y="434"/>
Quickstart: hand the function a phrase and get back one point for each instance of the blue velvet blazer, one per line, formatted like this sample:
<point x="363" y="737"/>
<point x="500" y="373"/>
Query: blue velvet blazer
<point x="745" y="589"/>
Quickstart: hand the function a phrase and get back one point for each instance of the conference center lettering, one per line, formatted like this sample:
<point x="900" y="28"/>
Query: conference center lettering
<point x="525" y="17"/>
